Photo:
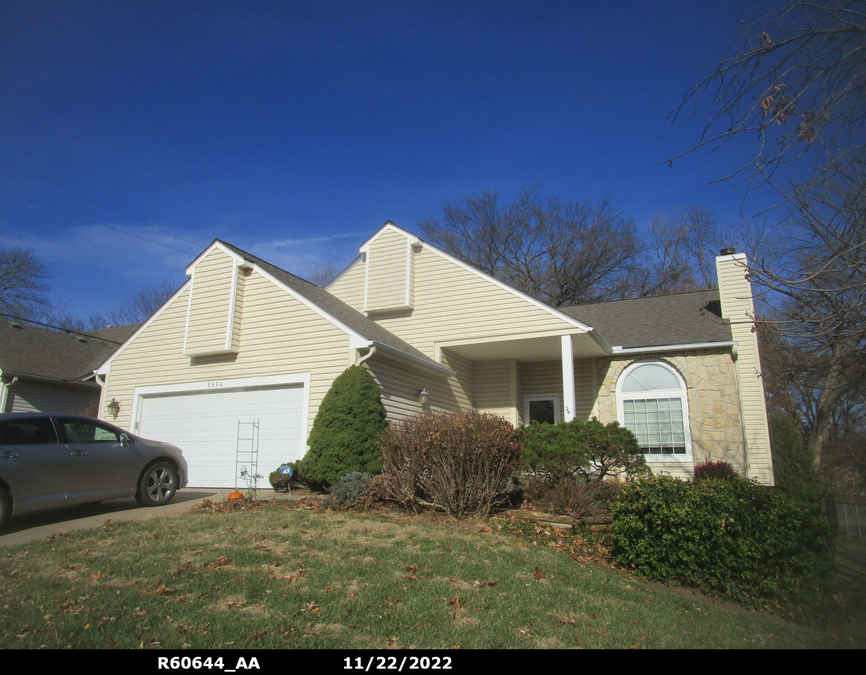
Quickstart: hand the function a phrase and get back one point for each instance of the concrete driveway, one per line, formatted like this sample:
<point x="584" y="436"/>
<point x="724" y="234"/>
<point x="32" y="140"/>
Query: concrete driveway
<point x="36" y="526"/>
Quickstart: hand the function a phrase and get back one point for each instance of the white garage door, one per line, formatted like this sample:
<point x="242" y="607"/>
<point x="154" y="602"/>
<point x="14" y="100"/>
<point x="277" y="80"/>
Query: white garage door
<point x="205" y="426"/>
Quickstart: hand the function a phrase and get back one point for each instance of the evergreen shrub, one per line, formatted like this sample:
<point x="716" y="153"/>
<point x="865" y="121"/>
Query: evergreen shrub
<point x="350" y="489"/>
<point x="732" y="538"/>
<point x="461" y="462"/>
<point x="793" y="464"/>
<point x="591" y="450"/>
<point x="345" y="433"/>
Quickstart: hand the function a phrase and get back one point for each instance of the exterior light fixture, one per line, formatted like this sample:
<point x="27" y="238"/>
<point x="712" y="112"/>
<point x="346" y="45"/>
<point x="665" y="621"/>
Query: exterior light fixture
<point x="423" y="396"/>
<point x="113" y="408"/>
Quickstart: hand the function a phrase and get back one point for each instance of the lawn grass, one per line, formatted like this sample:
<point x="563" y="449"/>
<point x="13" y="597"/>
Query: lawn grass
<point x="279" y="576"/>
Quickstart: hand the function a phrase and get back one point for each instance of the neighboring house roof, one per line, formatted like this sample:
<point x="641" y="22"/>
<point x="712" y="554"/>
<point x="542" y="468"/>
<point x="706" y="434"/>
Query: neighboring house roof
<point x="339" y="310"/>
<point x="39" y="352"/>
<point x="676" y="319"/>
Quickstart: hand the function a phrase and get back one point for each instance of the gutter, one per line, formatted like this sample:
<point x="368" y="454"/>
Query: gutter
<point x="77" y="384"/>
<point x="424" y="363"/>
<point x="692" y="346"/>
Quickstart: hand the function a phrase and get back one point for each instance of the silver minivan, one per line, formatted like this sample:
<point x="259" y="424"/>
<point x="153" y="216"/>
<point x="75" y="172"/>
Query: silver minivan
<point x="49" y="460"/>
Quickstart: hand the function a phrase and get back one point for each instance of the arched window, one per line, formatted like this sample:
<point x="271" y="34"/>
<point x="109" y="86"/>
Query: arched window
<point x="652" y="403"/>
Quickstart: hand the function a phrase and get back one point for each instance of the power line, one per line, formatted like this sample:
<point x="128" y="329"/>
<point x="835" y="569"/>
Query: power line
<point x="143" y="222"/>
<point x="75" y="215"/>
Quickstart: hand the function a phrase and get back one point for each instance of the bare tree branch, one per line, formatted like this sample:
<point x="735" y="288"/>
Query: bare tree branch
<point x="23" y="283"/>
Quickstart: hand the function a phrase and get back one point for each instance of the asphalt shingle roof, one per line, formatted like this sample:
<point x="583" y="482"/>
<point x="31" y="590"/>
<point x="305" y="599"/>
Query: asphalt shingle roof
<point x="40" y="352"/>
<point x="676" y="319"/>
<point x="345" y="314"/>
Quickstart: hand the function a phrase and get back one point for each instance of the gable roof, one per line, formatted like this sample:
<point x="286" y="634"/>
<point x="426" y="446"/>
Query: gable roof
<point x="39" y="352"/>
<point x="416" y="240"/>
<point x="677" y="319"/>
<point x="339" y="310"/>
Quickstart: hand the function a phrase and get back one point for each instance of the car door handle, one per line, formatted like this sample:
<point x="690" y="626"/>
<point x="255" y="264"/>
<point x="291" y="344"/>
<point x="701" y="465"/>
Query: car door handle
<point x="78" y="453"/>
<point x="9" y="455"/>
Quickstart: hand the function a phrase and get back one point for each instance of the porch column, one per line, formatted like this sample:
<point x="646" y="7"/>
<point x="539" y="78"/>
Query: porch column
<point x="567" y="378"/>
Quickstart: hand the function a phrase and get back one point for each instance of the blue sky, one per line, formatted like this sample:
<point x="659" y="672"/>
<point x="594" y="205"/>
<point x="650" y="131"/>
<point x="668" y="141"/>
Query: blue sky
<point x="294" y="130"/>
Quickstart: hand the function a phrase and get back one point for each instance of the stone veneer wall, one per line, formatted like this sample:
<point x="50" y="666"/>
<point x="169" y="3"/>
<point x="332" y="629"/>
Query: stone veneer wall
<point x="714" y="409"/>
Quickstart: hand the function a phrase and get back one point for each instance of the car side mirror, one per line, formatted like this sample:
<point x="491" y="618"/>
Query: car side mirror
<point x="124" y="439"/>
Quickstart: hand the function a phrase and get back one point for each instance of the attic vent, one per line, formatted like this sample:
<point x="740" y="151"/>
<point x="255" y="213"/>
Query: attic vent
<point x="17" y="325"/>
<point x="80" y="339"/>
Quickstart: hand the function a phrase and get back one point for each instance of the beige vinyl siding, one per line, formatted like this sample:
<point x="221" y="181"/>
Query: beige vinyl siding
<point x="737" y="306"/>
<point x="519" y="391"/>
<point x="349" y="287"/>
<point x="493" y="388"/>
<point x="453" y="303"/>
<point x="546" y="378"/>
<point x="32" y="397"/>
<point x="388" y="272"/>
<point x="542" y="378"/>
<point x="280" y="335"/>
<point x="207" y="324"/>
<point x="400" y="385"/>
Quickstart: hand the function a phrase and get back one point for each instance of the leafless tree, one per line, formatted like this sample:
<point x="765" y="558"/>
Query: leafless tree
<point x="322" y="274"/>
<point x="792" y="90"/>
<point x="560" y="252"/>
<point x="680" y="254"/>
<point x="818" y="269"/>
<point x="23" y="283"/>
<point x="137" y="307"/>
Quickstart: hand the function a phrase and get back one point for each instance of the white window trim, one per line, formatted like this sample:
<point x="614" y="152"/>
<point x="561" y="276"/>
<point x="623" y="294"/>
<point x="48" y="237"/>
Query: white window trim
<point x="557" y="415"/>
<point x="682" y="393"/>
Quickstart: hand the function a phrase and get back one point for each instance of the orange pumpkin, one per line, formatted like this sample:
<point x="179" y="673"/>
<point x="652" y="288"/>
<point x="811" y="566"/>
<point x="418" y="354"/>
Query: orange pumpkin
<point x="236" y="495"/>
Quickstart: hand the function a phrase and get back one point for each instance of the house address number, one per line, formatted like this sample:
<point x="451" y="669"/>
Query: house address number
<point x="215" y="384"/>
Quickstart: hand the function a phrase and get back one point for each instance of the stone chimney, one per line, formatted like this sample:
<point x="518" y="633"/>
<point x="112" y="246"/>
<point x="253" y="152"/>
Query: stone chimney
<point x="735" y="293"/>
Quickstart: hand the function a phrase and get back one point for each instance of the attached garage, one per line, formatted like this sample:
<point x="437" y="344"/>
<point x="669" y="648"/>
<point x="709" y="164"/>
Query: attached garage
<point x="211" y="421"/>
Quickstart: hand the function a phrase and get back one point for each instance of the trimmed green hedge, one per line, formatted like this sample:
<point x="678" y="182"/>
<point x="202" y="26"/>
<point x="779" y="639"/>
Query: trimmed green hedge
<point x="591" y="450"/>
<point x="732" y="538"/>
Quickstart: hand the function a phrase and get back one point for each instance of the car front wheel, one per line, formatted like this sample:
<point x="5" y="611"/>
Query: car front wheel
<point x="158" y="485"/>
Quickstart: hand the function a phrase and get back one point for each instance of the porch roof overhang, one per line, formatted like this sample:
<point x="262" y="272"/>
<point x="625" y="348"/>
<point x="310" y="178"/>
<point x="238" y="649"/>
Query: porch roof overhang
<point x="528" y="348"/>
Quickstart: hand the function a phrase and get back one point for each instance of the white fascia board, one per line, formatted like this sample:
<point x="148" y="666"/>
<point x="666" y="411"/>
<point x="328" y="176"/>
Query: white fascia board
<point x="106" y="367"/>
<point x="424" y="363"/>
<point x="389" y="227"/>
<point x="674" y="348"/>
<point x="356" y="340"/>
<point x="351" y="265"/>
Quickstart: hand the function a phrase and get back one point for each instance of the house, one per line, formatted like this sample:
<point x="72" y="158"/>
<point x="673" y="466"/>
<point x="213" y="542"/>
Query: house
<point x="242" y="355"/>
<point x="46" y="371"/>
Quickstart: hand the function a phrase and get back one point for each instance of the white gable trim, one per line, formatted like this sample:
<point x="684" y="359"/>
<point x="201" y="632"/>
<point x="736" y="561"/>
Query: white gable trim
<point x="389" y="227"/>
<point x="239" y="260"/>
<point x="351" y="265"/>
<point x="105" y="368"/>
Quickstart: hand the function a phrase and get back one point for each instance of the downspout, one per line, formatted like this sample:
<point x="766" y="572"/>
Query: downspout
<point x="742" y="412"/>
<point x="4" y="389"/>
<point x="101" y="384"/>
